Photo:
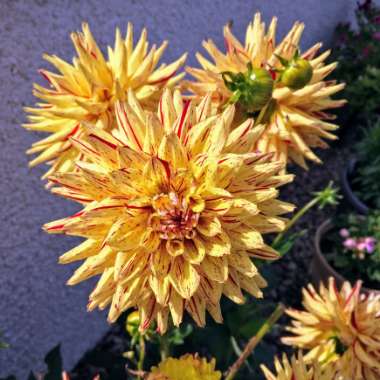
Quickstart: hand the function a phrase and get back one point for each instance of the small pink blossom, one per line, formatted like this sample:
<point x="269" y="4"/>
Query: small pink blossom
<point x="344" y="233"/>
<point x="350" y="243"/>
<point x="361" y="246"/>
<point x="370" y="244"/>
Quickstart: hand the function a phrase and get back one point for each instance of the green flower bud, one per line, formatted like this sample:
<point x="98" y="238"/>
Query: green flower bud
<point x="258" y="90"/>
<point x="252" y="90"/>
<point x="132" y="323"/>
<point x="297" y="74"/>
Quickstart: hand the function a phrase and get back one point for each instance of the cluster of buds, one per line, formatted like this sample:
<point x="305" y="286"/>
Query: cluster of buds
<point x="360" y="246"/>
<point x="253" y="89"/>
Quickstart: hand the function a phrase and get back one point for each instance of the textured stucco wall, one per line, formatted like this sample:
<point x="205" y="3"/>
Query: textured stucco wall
<point x="36" y="309"/>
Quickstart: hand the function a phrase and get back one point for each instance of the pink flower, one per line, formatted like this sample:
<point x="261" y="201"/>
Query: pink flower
<point x="361" y="246"/>
<point x="350" y="243"/>
<point x="344" y="233"/>
<point x="370" y="244"/>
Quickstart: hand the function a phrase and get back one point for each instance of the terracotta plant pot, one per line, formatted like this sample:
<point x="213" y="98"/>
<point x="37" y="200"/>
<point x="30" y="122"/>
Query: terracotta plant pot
<point x="346" y="175"/>
<point x="320" y="269"/>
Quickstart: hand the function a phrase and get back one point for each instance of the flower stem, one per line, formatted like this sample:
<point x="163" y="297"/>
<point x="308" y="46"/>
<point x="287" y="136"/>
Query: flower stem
<point x="140" y="364"/>
<point x="164" y="347"/>
<point x="295" y="218"/>
<point x="254" y="341"/>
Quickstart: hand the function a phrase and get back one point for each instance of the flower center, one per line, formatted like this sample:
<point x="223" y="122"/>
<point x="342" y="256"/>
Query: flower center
<point x="173" y="218"/>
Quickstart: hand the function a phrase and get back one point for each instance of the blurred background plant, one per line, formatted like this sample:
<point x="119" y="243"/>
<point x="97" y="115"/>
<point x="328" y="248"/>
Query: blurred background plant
<point x="367" y="176"/>
<point x="357" y="51"/>
<point x="354" y="246"/>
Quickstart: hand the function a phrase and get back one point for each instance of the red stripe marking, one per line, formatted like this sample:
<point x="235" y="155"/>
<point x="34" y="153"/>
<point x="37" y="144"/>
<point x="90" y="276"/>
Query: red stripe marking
<point x="228" y="45"/>
<point x="138" y="207"/>
<point x="63" y="184"/>
<point x="85" y="146"/>
<point x="183" y="116"/>
<point x="44" y="74"/>
<point x="203" y="108"/>
<point x="130" y="127"/>
<point x="166" y="167"/>
<point x="76" y="215"/>
<point x="161" y="113"/>
<point x="158" y="81"/>
<point x="111" y="145"/>
<point x="106" y="207"/>
<point x="58" y="227"/>
<point x="72" y="132"/>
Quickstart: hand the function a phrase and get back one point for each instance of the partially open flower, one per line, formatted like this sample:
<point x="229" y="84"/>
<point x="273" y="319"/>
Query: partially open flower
<point x="174" y="210"/>
<point x="339" y="326"/>
<point x="86" y="91"/>
<point x="296" y="113"/>
<point x="298" y="369"/>
<point x="187" y="367"/>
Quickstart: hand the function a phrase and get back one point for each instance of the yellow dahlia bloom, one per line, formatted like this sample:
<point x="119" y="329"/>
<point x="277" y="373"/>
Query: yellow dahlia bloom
<point x="294" y="115"/>
<point x="187" y="367"/>
<point x="86" y="90"/>
<point x="341" y="326"/>
<point x="298" y="369"/>
<point x="174" y="208"/>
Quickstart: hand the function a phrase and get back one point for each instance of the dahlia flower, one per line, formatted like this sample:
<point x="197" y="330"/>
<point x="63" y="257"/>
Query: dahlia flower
<point x="298" y="369"/>
<point x="285" y="90"/>
<point x="341" y="326"/>
<point x="86" y="90"/>
<point x="173" y="210"/>
<point x="187" y="367"/>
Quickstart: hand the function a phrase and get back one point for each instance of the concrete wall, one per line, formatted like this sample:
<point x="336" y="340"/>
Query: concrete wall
<point x="37" y="310"/>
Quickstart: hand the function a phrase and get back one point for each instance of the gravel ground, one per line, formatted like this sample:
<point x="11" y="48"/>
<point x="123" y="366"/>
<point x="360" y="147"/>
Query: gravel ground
<point x="291" y="272"/>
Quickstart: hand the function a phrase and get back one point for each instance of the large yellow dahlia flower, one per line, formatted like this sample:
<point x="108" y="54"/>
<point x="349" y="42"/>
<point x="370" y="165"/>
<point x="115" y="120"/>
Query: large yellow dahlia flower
<point x="288" y="91"/>
<point x="187" y="367"/>
<point x="86" y="90"/>
<point x="174" y="208"/>
<point x="298" y="369"/>
<point x="341" y="326"/>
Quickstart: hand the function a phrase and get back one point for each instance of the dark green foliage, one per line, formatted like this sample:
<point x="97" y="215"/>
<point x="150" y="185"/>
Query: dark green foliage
<point x="358" y="56"/>
<point x="367" y="176"/>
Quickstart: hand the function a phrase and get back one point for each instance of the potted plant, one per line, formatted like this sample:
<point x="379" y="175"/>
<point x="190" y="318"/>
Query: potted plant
<point x="361" y="177"/>
<point x="348" y="248"/>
